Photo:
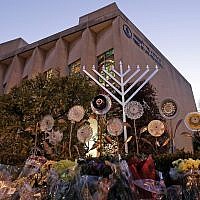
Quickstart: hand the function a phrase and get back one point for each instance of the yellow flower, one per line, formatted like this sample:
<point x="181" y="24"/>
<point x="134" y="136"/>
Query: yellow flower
<point x="192" y="121"/>
<point x="176" y="162"/>
<point x="186" y="165"/>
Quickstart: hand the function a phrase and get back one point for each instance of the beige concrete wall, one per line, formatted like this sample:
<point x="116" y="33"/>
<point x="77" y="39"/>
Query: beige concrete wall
<point x="56" y="58"/>
<point x="104" y="40"/>
<point x="14" y="73"/>
<point x="74" y="50"/>
<point x="11" y="46"/>
<point x="34" y="64"/>
<point x="88" y="47"/>
<point x="168" y="82"/>
<point x="3" y="68"/>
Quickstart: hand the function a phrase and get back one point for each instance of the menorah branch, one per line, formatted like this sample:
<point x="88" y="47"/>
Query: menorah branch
<point x="122" y="84"/>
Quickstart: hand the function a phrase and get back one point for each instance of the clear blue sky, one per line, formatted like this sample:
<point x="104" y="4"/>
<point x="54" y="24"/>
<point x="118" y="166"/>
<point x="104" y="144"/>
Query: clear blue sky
<point x="173" y="26"/>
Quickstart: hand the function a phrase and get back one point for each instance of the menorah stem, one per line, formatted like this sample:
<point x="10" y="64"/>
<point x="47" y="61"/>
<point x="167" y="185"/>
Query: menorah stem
<point x="125" y="130"/>
<point x="123" y="105"/>
<point x="122" y="84"/>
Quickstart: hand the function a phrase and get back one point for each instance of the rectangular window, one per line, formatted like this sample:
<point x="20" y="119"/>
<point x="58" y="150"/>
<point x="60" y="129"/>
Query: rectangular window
<point x="106" y="60"/>
<point x="49" y="73"/>
<point x="75" y="67"/>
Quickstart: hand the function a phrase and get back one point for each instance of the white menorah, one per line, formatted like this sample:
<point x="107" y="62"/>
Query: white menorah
<point x="121" y="82"/>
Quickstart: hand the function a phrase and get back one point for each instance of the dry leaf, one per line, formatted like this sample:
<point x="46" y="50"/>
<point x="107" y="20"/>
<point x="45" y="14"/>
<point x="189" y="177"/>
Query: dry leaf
<point x="157" y="143"/>
<point x="95" y="145"/>
<point x="143" y="129"/>
<point x="126" y="124"/>
<point x="146" y="141"/>
<point x="108" y="139"/>
<point x="166" y="142"/>
<point x="128" y="139"/>
<point x="61" y="121"/>
<point x="29" y="129"/>
<point x="177" y="125"/>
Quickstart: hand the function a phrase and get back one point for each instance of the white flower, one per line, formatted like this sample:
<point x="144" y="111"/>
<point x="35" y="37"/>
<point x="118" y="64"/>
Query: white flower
<point x="55" y="137"/>
<point x="76" y="113"/>
<point x="168" y="108"/>
<point x="134" y="110"/>
<point x="192" y="121"/>
<point x="84" y="133"/>
<point x="47" y="123"/>
<point x="156" y="128"/>
<point x="115" y="126"/>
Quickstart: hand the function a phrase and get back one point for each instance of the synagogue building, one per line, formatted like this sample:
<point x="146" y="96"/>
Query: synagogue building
<point x="103" y="37"/>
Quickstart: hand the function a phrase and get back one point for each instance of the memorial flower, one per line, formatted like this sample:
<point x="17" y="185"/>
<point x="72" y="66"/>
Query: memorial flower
<point x="183" y="166"/>
<point x="84" y="133"/>
<point x="134" y="110"/>
<point x="192" y="121"/>
<point x="156" y="128"/>
<point x="115" y="126"/>
<point x="76" y="113"/>
<point x="47" y="123"/>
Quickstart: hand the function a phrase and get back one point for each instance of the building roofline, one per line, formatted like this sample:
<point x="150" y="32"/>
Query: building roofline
<point x="99" y="13"/>
<point x="153" y="47"/>
<point x="84" y="22"/>
<point x="64" y="33"/>
<point x="9" y="41"/>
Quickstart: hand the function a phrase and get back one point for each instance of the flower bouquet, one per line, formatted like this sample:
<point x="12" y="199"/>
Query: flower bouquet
<point x="188" y="172"/>
<point x="184" y="166"/>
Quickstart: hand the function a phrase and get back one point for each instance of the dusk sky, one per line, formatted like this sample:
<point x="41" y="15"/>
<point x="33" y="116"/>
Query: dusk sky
<point x="173" y="26"/>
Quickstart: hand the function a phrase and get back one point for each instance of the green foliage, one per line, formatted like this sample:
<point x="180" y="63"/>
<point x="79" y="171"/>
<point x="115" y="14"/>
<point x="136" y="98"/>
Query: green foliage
<point x="14" y="147"/>
<point x="23" y="108"/>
